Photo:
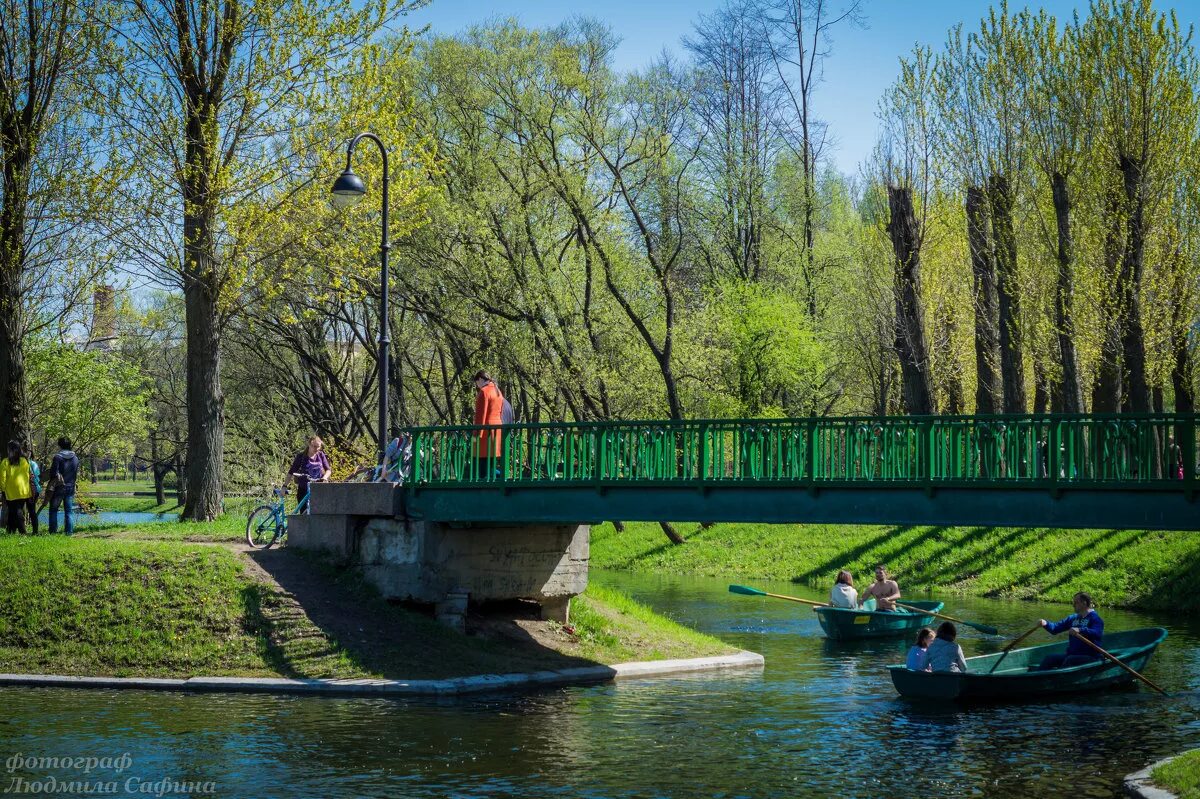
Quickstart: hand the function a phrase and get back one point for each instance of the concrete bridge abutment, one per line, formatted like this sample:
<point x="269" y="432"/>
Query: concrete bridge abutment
<point x="444" y="564"/>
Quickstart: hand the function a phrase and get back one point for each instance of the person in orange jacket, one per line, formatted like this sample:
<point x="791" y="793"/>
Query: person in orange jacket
<point x="489" y="407"/>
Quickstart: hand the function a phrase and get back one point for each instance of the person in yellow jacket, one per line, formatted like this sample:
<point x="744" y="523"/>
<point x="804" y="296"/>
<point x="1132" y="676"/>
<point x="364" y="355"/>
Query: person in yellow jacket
<point x="15" y="483"/>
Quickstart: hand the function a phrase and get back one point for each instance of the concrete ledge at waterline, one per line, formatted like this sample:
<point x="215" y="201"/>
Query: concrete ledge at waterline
<point x="1138" y="783"/>
<point x="482" y="683"/>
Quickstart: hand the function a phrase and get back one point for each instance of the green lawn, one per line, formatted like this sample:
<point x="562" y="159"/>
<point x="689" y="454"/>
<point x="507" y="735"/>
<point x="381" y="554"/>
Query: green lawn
<point x="1119" y="567"/>
<point x="78" y="606"/>
<point x="92" y="606"/>
<point x="613" y="628"/>
<point x="120" y="486"/>
<point x="1181" y="776"/>
<point x="230" y="528"/>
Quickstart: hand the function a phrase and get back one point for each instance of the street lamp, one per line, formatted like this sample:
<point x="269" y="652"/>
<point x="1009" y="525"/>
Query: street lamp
<point x="347" y="190"/>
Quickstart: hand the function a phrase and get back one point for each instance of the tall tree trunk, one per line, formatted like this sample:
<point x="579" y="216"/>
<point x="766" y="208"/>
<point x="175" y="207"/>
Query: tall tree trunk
<point x="1133" y="338"/>
<point x="1041" y="389"/>
<point x="989" y="397"/>
<point x="1108" y="393"/>
<point x="157" y="469"/>
<point x="1012" y="368"/>
<point x="13" y="410"/>
<point x="205" y="405"/>
<point x="1071" y="387"/>
<point x="911" y="347"/>
<point x="201" y="295"/>
<point x="1181" y="373"/>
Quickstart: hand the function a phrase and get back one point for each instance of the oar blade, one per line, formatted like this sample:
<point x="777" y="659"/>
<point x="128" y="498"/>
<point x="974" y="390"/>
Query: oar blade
<point x="986" y="629"/>
<point x="747" y="590"/>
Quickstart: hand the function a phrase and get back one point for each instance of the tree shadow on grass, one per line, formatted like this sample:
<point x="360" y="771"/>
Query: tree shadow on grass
<point x="1178" y="586"/>
<point x="967" y="555"/>
<point x="319" y="620"/>
<point x="1071" y="564"/>
<point x="1084" y="559"/>
<point x="894" y="536"/>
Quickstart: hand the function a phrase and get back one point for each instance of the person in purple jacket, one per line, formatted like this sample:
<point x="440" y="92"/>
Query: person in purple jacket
<point x="1085" y="622"/>
<point x="311" y="464"/>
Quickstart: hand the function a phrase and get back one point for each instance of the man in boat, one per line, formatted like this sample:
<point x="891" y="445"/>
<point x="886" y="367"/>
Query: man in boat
<point x="884" y="591"/>
<point x="1083" y="623"/>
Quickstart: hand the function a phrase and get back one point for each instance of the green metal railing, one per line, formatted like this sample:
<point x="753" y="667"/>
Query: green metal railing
<point x="1155" y="451"/>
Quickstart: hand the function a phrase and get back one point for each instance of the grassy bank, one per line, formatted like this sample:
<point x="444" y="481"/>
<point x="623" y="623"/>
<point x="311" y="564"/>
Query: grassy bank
<point x="90" y="606"/>
<point x="1119" y="567"/>
<point x="1181" y="776"/>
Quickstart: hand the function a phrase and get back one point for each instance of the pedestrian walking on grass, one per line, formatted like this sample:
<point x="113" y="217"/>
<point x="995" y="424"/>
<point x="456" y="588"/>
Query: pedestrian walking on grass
<point x="35" y="484"/>
<point x="63" y="475"/>
<point x="15" y="483"/>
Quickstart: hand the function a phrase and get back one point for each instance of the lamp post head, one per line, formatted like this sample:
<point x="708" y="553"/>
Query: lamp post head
<point x="348" y="189"/>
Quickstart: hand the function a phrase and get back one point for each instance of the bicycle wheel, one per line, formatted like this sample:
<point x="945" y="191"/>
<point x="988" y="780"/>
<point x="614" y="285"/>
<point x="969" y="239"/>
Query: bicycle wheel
<point x="262" y="528"/>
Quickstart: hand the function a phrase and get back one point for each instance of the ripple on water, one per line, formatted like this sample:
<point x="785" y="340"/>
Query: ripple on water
<point x="821" y="719"/>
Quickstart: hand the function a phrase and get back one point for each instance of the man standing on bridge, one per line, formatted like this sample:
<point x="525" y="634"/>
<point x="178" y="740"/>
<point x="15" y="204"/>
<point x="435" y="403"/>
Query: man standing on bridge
<point x="883" y="590"/>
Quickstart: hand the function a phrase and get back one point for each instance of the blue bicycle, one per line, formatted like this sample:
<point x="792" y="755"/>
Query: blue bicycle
<point x="267" y="524"/>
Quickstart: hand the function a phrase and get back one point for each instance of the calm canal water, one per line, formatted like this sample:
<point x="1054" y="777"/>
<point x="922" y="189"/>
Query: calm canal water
<point x="81" y="519"/>
<point x="821" y="720"/>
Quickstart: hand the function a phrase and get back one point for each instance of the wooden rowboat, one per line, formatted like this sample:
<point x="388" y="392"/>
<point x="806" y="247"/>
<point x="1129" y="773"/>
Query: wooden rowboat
<point x="843" y="624"/>
<point x="1017" y="677"/>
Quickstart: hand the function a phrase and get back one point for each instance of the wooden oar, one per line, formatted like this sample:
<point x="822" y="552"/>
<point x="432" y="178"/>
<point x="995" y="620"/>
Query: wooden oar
<point x="1012" y="644"/>
<point x="983" y="628"/>
<point x="1117" y="660"/>
<point x="748" y="591"/>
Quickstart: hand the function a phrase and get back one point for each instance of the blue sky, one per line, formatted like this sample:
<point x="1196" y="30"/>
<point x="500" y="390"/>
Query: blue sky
<point x="862" y="65"/>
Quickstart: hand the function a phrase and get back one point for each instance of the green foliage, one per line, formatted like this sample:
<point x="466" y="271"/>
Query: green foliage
<point x="762" y="351"/>
<point x="95" y="398"/>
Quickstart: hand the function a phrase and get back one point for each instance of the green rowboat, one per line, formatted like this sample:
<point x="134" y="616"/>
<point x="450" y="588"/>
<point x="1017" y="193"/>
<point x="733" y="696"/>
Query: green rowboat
<point x="843" y="624"/>
<point x="1016" y="677"/>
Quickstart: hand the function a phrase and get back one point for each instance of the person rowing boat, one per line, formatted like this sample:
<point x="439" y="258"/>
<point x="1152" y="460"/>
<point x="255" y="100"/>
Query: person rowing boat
<point x="1085" y="622"/>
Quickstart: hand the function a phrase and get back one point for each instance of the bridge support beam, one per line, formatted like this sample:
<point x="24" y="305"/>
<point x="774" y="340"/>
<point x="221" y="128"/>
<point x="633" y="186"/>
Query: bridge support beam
<point x="437" y="562"/>
<point x="994" y="506"/>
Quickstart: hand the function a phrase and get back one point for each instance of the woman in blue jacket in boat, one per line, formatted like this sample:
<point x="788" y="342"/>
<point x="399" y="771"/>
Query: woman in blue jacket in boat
<point x="1083" y="623"/>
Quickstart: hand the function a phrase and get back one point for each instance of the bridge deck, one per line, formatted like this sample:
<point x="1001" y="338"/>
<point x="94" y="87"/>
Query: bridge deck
<point x="1036" y="470"/>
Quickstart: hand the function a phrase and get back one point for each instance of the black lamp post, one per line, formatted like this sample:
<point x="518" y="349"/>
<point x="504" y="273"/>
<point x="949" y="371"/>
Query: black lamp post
<point x="347" y="190"/>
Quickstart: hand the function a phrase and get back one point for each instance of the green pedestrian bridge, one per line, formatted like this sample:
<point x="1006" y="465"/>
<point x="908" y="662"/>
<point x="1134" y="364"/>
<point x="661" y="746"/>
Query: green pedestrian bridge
<point x="1085" y="471"/>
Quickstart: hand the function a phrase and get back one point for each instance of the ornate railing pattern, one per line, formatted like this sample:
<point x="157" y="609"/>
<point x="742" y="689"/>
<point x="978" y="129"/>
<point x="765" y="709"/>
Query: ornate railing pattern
<point x="1142" y="450"/>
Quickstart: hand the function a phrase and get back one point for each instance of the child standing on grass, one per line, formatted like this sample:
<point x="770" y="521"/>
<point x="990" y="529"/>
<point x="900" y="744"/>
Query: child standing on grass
<point x="916" y="655"/>
<point x="14" y="482"/>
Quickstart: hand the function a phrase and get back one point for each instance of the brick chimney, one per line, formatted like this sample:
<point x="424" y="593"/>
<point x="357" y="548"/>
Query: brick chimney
<point x="104" y="319"/>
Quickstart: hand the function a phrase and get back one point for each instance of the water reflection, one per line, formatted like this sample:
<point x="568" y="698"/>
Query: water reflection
<point x="821" y="719"/>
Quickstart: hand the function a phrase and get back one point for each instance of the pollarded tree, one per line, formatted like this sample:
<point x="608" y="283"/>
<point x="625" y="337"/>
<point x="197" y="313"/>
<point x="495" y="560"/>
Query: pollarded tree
<point x="1145" y="73"/>
<point x="962" y="144"/>
<point x="906" y="153"/>
<point x="1057" y="95"/>
<point x="993" y="55"/>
